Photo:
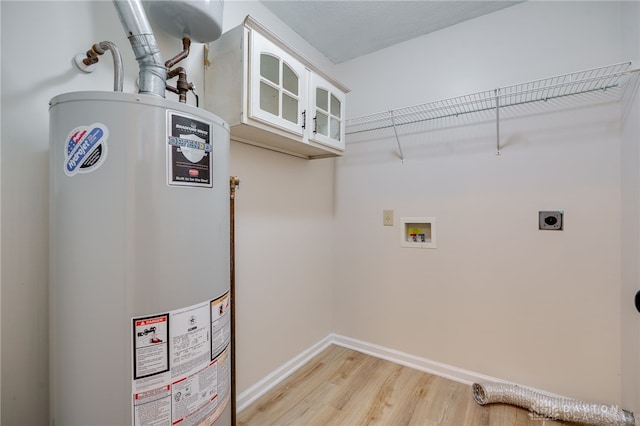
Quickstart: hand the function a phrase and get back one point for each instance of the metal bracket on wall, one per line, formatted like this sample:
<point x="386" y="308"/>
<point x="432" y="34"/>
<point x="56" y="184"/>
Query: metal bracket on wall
<point x="395" y="132"/>
<point x="497" y="121"/>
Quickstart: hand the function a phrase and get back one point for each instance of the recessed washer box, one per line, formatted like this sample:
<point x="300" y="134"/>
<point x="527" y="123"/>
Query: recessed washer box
<point x="418" y="232"/>
<point x="550" y="220"/>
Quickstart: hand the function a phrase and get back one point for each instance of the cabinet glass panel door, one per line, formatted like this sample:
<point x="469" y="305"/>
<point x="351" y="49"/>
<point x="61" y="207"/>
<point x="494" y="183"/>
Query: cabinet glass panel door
<point x="328" y="113"/>
<point x="276" y="86"/>
<point x="322" y="115"/>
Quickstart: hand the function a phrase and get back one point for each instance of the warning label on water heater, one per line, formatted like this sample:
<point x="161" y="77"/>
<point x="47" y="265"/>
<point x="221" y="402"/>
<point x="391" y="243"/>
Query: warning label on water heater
<point x="181" y="365"/>
<point x="152" y="346"/>
<point x="189" y="151"/>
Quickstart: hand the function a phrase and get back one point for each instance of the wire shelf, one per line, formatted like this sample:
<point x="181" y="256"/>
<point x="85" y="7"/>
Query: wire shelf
<point x="588" y="81"/>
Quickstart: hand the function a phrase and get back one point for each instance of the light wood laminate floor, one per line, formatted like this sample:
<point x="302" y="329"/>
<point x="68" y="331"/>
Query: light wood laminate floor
<point x="344" y="387"/>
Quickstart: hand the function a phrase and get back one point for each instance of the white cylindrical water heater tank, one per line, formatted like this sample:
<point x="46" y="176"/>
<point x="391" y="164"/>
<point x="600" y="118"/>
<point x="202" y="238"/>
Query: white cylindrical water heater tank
<point x="139" y="262"/>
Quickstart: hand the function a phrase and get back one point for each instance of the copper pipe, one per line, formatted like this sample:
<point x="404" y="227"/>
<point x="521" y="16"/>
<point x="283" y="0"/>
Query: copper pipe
<point x="234" y="183"/>
<point x="182" y="85"/>
<point x="186" y="45"/>
<point x="92" y="57"/>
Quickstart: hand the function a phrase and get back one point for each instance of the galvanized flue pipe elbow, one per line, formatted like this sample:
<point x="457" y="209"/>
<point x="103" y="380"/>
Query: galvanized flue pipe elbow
<point x="547" y="406"/>
<point x="153" y="73"/>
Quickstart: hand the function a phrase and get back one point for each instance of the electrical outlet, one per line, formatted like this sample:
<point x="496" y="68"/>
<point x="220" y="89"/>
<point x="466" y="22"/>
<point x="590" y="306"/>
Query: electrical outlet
<point x="387" y="217"/>
<point x="550" y="220"/>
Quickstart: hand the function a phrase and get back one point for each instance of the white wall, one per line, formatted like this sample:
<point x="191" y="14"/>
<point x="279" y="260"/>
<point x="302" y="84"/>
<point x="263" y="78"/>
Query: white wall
<point x="283" y="248"/>
<point x="0" y="222"/>
<point x="630" y="110"/>
<point x="497" y="296"/>
<point x="284" y="211"/>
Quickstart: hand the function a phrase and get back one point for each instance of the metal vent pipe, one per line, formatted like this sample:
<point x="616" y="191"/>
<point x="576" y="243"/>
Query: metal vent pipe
<point x="552" y="407"/>
<point x="153" y="73"/>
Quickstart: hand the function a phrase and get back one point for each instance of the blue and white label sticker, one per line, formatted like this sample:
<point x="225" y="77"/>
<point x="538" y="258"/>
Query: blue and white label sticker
<point x="85" y="149"/>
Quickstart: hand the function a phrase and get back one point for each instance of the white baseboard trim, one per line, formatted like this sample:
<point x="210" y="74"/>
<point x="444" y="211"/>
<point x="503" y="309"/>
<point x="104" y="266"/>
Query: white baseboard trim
<point x="417" y="363"/>
<point x="244" y="399"/>
<point x="446" y="371"/>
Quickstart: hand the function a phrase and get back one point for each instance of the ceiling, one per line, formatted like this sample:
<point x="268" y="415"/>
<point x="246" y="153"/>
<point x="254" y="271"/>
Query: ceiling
<point x="343" y="30"/>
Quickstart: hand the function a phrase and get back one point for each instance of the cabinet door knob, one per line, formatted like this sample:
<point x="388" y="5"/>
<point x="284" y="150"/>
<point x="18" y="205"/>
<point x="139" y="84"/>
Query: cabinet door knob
<point x="315" y="124"/>
<point x="304" y="119"/>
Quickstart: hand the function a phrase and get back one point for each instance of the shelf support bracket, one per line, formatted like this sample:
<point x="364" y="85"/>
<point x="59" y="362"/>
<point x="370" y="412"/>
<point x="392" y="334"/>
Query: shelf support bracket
<point x="498" y="122"/>
<point x="395" y="132"/>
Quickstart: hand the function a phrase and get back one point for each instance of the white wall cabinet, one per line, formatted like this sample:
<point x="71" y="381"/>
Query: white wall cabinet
<point x="273" y="97"/>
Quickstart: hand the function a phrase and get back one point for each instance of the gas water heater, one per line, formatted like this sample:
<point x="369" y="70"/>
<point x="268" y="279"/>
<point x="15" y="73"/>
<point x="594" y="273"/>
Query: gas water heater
<point x="139" y="261"/>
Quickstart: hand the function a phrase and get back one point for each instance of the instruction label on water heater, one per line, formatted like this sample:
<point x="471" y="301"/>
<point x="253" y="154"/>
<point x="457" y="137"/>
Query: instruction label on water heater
<point x="189" y="151"/>
<point x="182" y="365"/>
<point x="220" y="324"/>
